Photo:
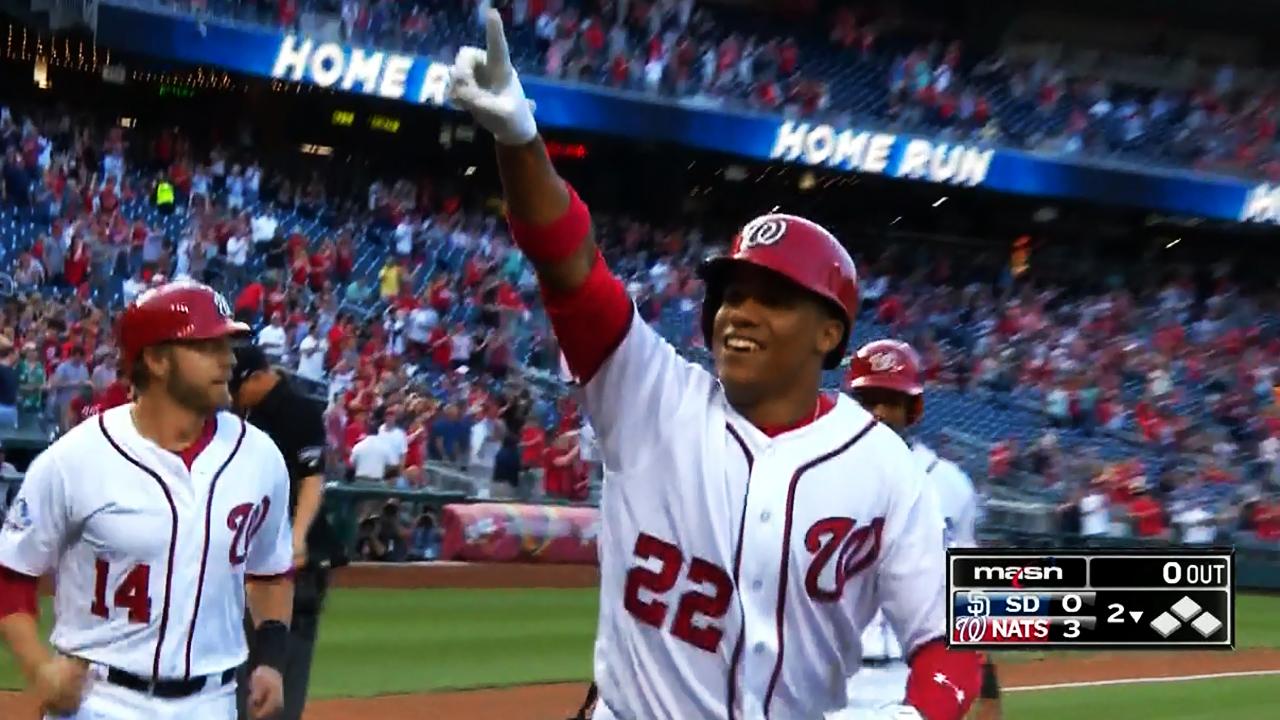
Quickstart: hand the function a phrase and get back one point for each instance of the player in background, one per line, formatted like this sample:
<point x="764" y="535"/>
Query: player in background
<point x="151" y="516"/>
<point x="750" y="524"/>
<point x="885" y="376"/>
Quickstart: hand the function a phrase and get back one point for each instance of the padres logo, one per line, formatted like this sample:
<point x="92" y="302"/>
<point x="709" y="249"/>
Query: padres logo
<point x="764" y="231"/>
<point x="972" y="628"/>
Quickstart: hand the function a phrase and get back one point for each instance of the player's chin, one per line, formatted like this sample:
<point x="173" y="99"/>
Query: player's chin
<point x="219" y="396"/>
<point x="740" y="370"/>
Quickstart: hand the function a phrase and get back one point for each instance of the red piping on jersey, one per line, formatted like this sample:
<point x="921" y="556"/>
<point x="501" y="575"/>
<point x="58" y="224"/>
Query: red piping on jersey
<point x="736" y="657"/>
<point x="173" y="540"/>
<point x="786" y="550"/>
<point x="204" y="553"/>
<point x="591" y="320"/>
<point x="192" y="451"/>
<point x="823" y="406"/>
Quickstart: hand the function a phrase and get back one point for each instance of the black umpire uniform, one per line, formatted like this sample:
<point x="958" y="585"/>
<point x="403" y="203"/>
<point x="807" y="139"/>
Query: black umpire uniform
<point x="295" y="422"/>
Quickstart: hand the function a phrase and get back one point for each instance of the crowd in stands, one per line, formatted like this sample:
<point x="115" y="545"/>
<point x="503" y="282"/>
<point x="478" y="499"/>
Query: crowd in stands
<point x="418" y="322"/>
<point x="858" y="64"/>
<point x="414" y="352"/>
<point x="1186" y="374"/>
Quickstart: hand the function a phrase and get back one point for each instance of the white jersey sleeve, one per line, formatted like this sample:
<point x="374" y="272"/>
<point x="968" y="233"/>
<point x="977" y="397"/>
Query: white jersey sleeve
<point x="953" y="489"/>
<point x="272" y="550"/>
<point x="912" y="575"/>
<point x="36" y="525"/>
<point x="636" y="395"/>
<point x="962" y="511"/>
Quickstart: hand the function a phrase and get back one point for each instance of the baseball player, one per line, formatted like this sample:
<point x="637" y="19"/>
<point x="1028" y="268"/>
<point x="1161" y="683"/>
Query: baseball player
<point x="151" y="517"/>
<point x="885" y="376"/>
<point x="750" y="524"/>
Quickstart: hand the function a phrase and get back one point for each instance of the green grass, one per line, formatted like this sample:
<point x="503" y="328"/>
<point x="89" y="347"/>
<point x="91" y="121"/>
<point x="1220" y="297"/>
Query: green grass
<point x="1258" y="621"/>
<point x="10" y="676"/>
<point x="375" y="642"/>
<point x="1245" y="698"/>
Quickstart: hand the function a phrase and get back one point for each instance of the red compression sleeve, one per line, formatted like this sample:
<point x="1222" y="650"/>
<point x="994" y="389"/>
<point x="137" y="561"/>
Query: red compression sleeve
<point x="591" y="320"/>
<point x="557" y="240"/>
<point x="18" y="593"/>
<point x="943" y="683"/>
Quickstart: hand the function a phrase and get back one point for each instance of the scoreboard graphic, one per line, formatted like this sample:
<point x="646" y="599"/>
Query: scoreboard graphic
<point x="1091" y="599"/>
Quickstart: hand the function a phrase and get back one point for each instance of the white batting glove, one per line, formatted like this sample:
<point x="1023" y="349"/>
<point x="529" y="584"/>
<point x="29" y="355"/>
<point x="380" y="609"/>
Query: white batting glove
<point x="484" y="83"/>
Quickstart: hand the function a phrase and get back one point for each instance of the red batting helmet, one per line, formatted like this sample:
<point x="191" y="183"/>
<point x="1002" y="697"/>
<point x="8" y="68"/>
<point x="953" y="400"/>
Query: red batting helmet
<point x="886" y="364"/>
<point x="180" y="310"/>
<point x="801" y="251"/>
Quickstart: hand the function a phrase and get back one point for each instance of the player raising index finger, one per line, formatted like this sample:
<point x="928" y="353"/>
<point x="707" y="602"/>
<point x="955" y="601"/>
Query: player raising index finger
<point x="751" y="524"/>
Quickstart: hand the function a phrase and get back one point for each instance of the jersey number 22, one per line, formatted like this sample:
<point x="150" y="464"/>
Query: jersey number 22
<point x="694" y="604"/>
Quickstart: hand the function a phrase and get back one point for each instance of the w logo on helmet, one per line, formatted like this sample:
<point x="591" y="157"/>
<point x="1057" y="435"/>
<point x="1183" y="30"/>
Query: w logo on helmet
<point x="762" y="231"/>
<point x="886" y="362"/>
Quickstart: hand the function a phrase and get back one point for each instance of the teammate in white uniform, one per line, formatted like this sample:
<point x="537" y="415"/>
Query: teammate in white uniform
<point x="886" y="377"/>
<point x="151" y="516"/>
<point x="750" y="524"/>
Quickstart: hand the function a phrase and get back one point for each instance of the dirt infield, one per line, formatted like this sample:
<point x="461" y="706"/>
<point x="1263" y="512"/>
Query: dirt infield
<point x="561" y="700"/>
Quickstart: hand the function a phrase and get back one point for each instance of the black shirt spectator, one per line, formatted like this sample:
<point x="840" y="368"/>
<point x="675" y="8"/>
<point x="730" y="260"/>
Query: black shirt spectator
<point x="381" y="538"/>
<point x="516" y="412"/>
<point x="8" y="381"/>
<point x="16" y="181"/>
<point x="1069" y="519"/>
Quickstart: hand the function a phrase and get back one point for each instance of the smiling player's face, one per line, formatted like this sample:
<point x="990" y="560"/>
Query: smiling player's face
<point x="768" y="333"/>
<point x="197" y="373"/>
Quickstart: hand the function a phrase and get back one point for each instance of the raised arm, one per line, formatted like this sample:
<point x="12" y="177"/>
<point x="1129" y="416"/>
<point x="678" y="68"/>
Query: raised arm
<point x="537" y="198"/>
<point x="629" y="373"/>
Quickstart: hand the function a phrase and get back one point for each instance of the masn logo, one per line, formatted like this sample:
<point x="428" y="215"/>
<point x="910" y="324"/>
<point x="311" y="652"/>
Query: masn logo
<point x="1014" y="573"/>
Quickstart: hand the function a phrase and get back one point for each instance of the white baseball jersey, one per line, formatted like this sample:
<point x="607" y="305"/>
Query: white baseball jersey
<point x="738" y="570"/>
<point x="150" y="558"/>
<point x="958" y="503"/>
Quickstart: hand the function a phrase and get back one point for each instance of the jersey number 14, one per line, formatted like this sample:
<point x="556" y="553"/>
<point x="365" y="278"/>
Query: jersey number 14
<point x="132" y="594"/>
<point x="697" y="610"/>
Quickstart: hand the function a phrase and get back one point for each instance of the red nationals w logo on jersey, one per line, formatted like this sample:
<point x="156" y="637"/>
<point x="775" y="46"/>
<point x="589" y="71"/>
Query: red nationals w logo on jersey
<point x="245" y="520"/>
<point x="841" y="549"/>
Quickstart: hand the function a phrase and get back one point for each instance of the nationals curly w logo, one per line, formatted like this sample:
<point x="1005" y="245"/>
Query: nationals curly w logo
<point x="764" y="231"/>
<point x="841" y="549"/>
<point x="244" y="521"/>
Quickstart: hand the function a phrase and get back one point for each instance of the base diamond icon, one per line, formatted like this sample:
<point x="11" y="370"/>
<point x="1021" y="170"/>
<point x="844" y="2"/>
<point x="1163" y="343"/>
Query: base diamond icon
<point x="1165" y="624"/>
<point x="1207" y="624"/>
<point x="1186" y="608"/>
